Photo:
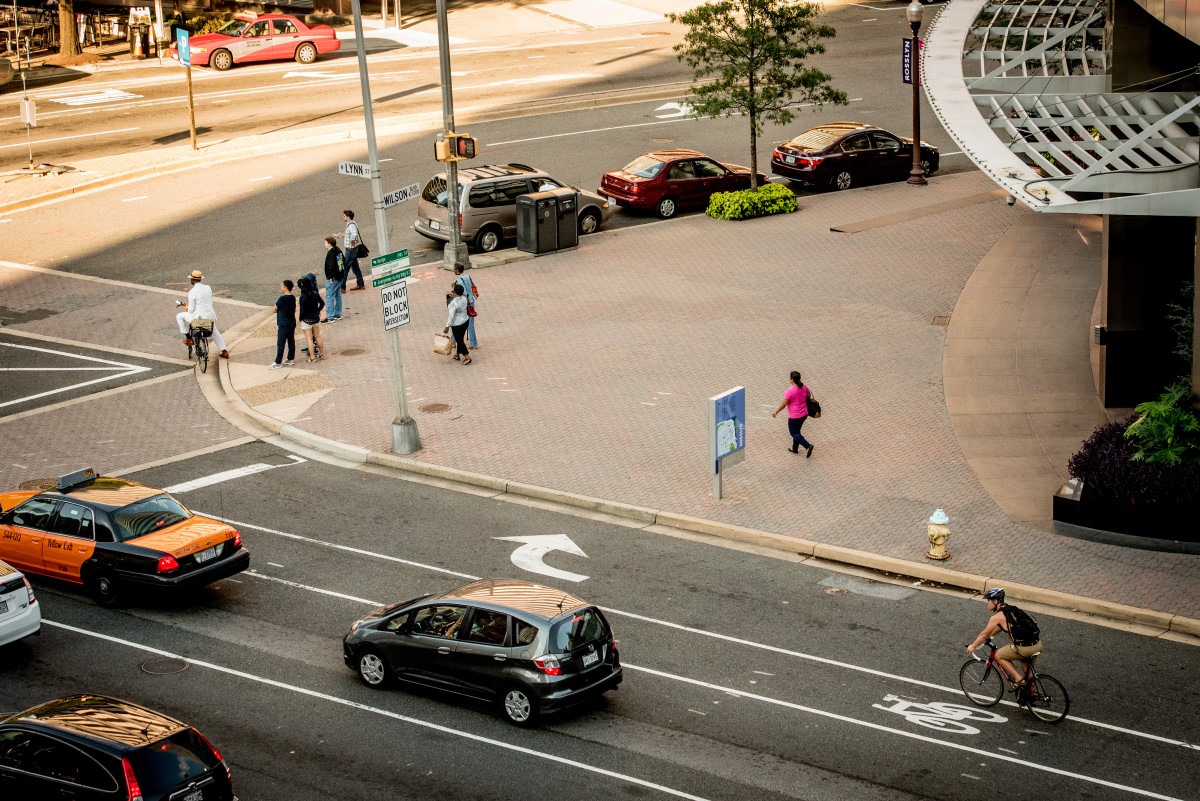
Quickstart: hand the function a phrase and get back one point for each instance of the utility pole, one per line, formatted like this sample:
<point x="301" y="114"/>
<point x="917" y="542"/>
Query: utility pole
<point x="405" y="439"/>
<point x="455" y="251"/>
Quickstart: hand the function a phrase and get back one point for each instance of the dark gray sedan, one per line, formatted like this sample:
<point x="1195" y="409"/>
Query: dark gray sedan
<point x="528" y="649"/>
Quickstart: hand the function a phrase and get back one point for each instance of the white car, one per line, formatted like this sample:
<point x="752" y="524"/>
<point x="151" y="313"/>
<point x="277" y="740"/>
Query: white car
<point x="20" y="615"/>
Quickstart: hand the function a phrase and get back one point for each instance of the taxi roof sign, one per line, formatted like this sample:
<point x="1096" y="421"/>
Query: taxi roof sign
<point x="77" y="480"/>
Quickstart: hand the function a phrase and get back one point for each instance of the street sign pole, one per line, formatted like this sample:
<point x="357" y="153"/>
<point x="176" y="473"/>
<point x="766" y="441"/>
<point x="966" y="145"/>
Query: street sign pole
<point x="183" y="44"/>
<point x="455" y="251"/>
<point x="405" y="438"/>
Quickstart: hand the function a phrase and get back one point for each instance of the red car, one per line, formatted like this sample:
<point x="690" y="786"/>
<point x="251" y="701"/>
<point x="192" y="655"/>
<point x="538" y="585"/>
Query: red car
<point x="665" y="181"/>
<point x="267" y="37"/>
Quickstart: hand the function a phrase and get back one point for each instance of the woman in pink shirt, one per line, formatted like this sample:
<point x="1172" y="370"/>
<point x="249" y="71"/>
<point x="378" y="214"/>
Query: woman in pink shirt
<point x="796" y="401"/>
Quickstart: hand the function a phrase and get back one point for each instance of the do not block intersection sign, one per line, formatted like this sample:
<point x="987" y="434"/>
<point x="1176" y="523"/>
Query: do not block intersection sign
<point x="395" y="305"/>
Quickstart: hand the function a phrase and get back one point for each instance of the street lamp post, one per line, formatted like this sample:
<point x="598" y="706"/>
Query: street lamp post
<point x="914" y="12"/>
<point x="405" y="438"/>
<point x="455" y="251"/>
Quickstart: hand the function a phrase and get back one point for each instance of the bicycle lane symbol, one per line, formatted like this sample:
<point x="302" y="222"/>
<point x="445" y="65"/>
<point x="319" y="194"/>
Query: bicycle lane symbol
<point x="939" y="714"/>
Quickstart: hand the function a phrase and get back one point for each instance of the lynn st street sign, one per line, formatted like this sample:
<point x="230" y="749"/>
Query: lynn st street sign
<point x="355" y="168"/>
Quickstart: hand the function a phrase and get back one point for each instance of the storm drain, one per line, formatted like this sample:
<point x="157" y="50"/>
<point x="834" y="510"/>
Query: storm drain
<point x="163" y="667"/>
<point x="942" y="319"/>
<point x="434" y="408"/>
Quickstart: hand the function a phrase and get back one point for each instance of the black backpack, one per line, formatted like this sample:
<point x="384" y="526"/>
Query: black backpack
<point x="1021" y="627"/>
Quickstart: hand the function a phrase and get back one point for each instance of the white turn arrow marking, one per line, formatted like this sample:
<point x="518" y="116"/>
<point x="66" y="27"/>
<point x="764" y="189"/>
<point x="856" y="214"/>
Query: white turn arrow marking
<point x="679" y="109"/>
<point x="529" y="556"/>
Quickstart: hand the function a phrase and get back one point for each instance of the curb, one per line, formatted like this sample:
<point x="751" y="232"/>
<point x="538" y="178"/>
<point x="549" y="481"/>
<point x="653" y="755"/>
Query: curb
<point x="934" y="574"/>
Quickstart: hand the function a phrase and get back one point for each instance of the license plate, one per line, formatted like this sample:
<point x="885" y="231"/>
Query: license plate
<point x="194" y="795"/>
<point x="435" y="225"/>
<point x="590" y="658"/>
<point x="204" y="556"/>
<point x="3" y="607"/>
<point x="790" y="159"/>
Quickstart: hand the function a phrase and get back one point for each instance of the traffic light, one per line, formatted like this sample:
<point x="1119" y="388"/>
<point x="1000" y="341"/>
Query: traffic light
<point x="455" y="147"/>
<point x="465" y="146"/>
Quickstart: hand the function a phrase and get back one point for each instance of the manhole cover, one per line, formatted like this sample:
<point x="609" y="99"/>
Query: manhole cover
<point x="352" y="352"/>
<point x="161" y="667"/>
<point x="834" y="591"/>
<point x="434" y="408"/>
<point x="942" y="319"/>
<point x="38" y="484"/>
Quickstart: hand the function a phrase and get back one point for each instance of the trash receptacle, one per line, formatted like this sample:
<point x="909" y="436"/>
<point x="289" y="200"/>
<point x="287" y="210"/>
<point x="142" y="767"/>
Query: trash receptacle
<point x="568" y="218"/>
<point x="537" y="222"/>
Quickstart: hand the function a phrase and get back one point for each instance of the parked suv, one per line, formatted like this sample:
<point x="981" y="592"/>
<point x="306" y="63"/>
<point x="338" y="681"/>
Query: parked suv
<point x="89" y="746"/>
<point x="487" y="204"/>
<point x="528" y="649"/>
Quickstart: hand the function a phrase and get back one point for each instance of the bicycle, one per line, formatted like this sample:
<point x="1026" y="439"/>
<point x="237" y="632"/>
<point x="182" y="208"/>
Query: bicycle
<point x="200" y="331"/>
<point x="983" y="680"/>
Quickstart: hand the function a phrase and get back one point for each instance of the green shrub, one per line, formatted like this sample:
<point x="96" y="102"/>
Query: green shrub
<point x="1167" y="430"/>
<point x="748" y="203"/>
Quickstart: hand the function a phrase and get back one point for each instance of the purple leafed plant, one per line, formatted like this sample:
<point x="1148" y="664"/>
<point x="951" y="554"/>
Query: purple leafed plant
<point x="1105" y="465"/>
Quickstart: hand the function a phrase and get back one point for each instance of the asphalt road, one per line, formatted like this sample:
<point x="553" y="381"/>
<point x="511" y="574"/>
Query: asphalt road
<point x="746" y="676"/>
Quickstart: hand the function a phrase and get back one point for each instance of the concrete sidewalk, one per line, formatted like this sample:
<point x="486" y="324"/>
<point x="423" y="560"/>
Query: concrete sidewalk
<point x="595" y="366"/>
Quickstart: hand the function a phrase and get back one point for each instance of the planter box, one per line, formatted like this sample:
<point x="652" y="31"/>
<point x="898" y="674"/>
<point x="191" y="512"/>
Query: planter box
<point x="1074" y="505"/>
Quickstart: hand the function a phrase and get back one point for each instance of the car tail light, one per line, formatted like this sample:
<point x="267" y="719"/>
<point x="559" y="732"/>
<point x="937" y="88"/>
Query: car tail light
<point x="237" y="539"/>
<point x="167" y="563"/>
<point x="614" y="645"/>
<point x="133" y="791"/>
<point x="29" y="589"/>
<point x="549" y="665"/>
<point x="215" y="752"/>
<point x="460" y="221"/>
<point x="635" y="187"/>
<point x="777" y="155"/>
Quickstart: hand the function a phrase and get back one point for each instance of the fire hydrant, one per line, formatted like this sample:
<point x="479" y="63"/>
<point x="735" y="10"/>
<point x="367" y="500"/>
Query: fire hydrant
<point x="938" y="533"/>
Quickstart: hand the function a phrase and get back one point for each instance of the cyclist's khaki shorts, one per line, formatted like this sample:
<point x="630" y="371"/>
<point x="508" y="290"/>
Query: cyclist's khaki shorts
<point x="1013" y="652"/>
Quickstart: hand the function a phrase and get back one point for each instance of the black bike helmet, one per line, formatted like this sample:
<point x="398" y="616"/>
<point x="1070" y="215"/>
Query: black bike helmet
<point x="995" y="594"/>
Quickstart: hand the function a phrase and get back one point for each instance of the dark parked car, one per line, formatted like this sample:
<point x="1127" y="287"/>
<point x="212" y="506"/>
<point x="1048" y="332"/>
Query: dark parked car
<point x="843" y="154"/>
<point x="528" y="649"/>
<point x="665" y="181"/>
<point x="86" y="747"/>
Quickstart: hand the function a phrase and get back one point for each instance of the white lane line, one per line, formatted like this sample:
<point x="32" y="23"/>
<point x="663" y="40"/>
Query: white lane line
<point x="132" y="199"/>
<point x="333" y="699"/>
<point x="228" y="475"/>
<point x="59" y="369"/>
<point x="341" y="595"/>
<point x="340" y="547"/>
<point x="901" y="732"/>
<point x="274" y="564"/>
<point x="714" y="635"/>
<point x="65" y="138"/>
<point x="127" y="370"/>
<point x="264" y="178"/>
<point x="617" y="128"/>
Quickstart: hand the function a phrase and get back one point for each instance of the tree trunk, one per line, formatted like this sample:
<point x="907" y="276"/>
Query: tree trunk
<point x="752" y="112"/>
<point x="68" y="36"/>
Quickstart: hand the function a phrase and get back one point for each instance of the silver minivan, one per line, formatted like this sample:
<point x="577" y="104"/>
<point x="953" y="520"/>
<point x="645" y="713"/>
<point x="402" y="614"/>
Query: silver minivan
<point x="488" y="204"/>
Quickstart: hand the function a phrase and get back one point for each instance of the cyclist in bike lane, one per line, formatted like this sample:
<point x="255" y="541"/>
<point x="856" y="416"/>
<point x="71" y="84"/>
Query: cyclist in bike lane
<point x="200" y="307"/>
<point x="1020" y="628"/>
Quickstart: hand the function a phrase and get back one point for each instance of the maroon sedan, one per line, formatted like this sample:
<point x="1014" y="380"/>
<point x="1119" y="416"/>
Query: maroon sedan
<point x="265" y="37"/>
<point x="666" y="181"/>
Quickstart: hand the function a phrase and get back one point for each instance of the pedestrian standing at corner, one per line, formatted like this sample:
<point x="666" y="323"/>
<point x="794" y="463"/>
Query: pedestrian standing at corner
<point x="456" y="321"/>
<point x="471" y="292"/>
<point x="335" y="278"/>
<point x="351" y="240"/>
<point x="796" y="401"/>
<point x="285" y="321"/>
<point x="310" y="318"/>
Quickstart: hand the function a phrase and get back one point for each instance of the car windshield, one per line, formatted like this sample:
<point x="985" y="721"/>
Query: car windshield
<point x="235" y="27"/>
<point x="147" y="516"/>
<point x="816" y="139"/>
<point x="645" y="167"/>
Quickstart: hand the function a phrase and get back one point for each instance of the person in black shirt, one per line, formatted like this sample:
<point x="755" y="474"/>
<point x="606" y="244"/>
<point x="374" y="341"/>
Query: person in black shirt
<point x="285" y="319"/>
<point x="310" y="318"/>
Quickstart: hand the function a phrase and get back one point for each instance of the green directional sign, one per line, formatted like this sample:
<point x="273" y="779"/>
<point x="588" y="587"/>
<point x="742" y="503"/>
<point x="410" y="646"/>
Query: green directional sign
<point x="390" y="278"/>
<point x="389" y="258"/>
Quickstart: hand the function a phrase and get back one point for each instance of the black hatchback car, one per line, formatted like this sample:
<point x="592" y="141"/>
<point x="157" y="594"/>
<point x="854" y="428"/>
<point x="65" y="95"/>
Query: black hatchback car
<point x="844" y="154"/>
<point x="89" y="747"/>
<point x="528" y="649"/>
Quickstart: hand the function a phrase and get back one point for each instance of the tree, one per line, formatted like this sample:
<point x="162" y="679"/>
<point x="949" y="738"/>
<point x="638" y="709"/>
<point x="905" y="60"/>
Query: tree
<point x="68" y="37"/>
<point x="748" y="58"/>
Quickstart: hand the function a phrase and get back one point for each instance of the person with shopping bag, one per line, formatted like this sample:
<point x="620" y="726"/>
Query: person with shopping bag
<point x="456" y="321"/>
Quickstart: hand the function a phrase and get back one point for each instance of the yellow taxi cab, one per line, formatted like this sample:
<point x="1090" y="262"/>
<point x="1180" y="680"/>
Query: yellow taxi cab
<point x="110" y="535"/>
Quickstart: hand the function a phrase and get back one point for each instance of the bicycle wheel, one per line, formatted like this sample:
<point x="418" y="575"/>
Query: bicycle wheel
<point x="982" y="683"/>
<point x="1050" y="702"/>
<point x="202" y="354"/>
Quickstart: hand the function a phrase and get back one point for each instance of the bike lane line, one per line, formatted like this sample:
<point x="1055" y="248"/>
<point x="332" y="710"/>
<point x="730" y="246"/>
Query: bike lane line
<point x="701" y="632"/>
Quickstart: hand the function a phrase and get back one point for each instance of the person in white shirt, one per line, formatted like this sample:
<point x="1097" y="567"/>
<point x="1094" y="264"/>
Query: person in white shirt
<point x="200" y="307"/>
